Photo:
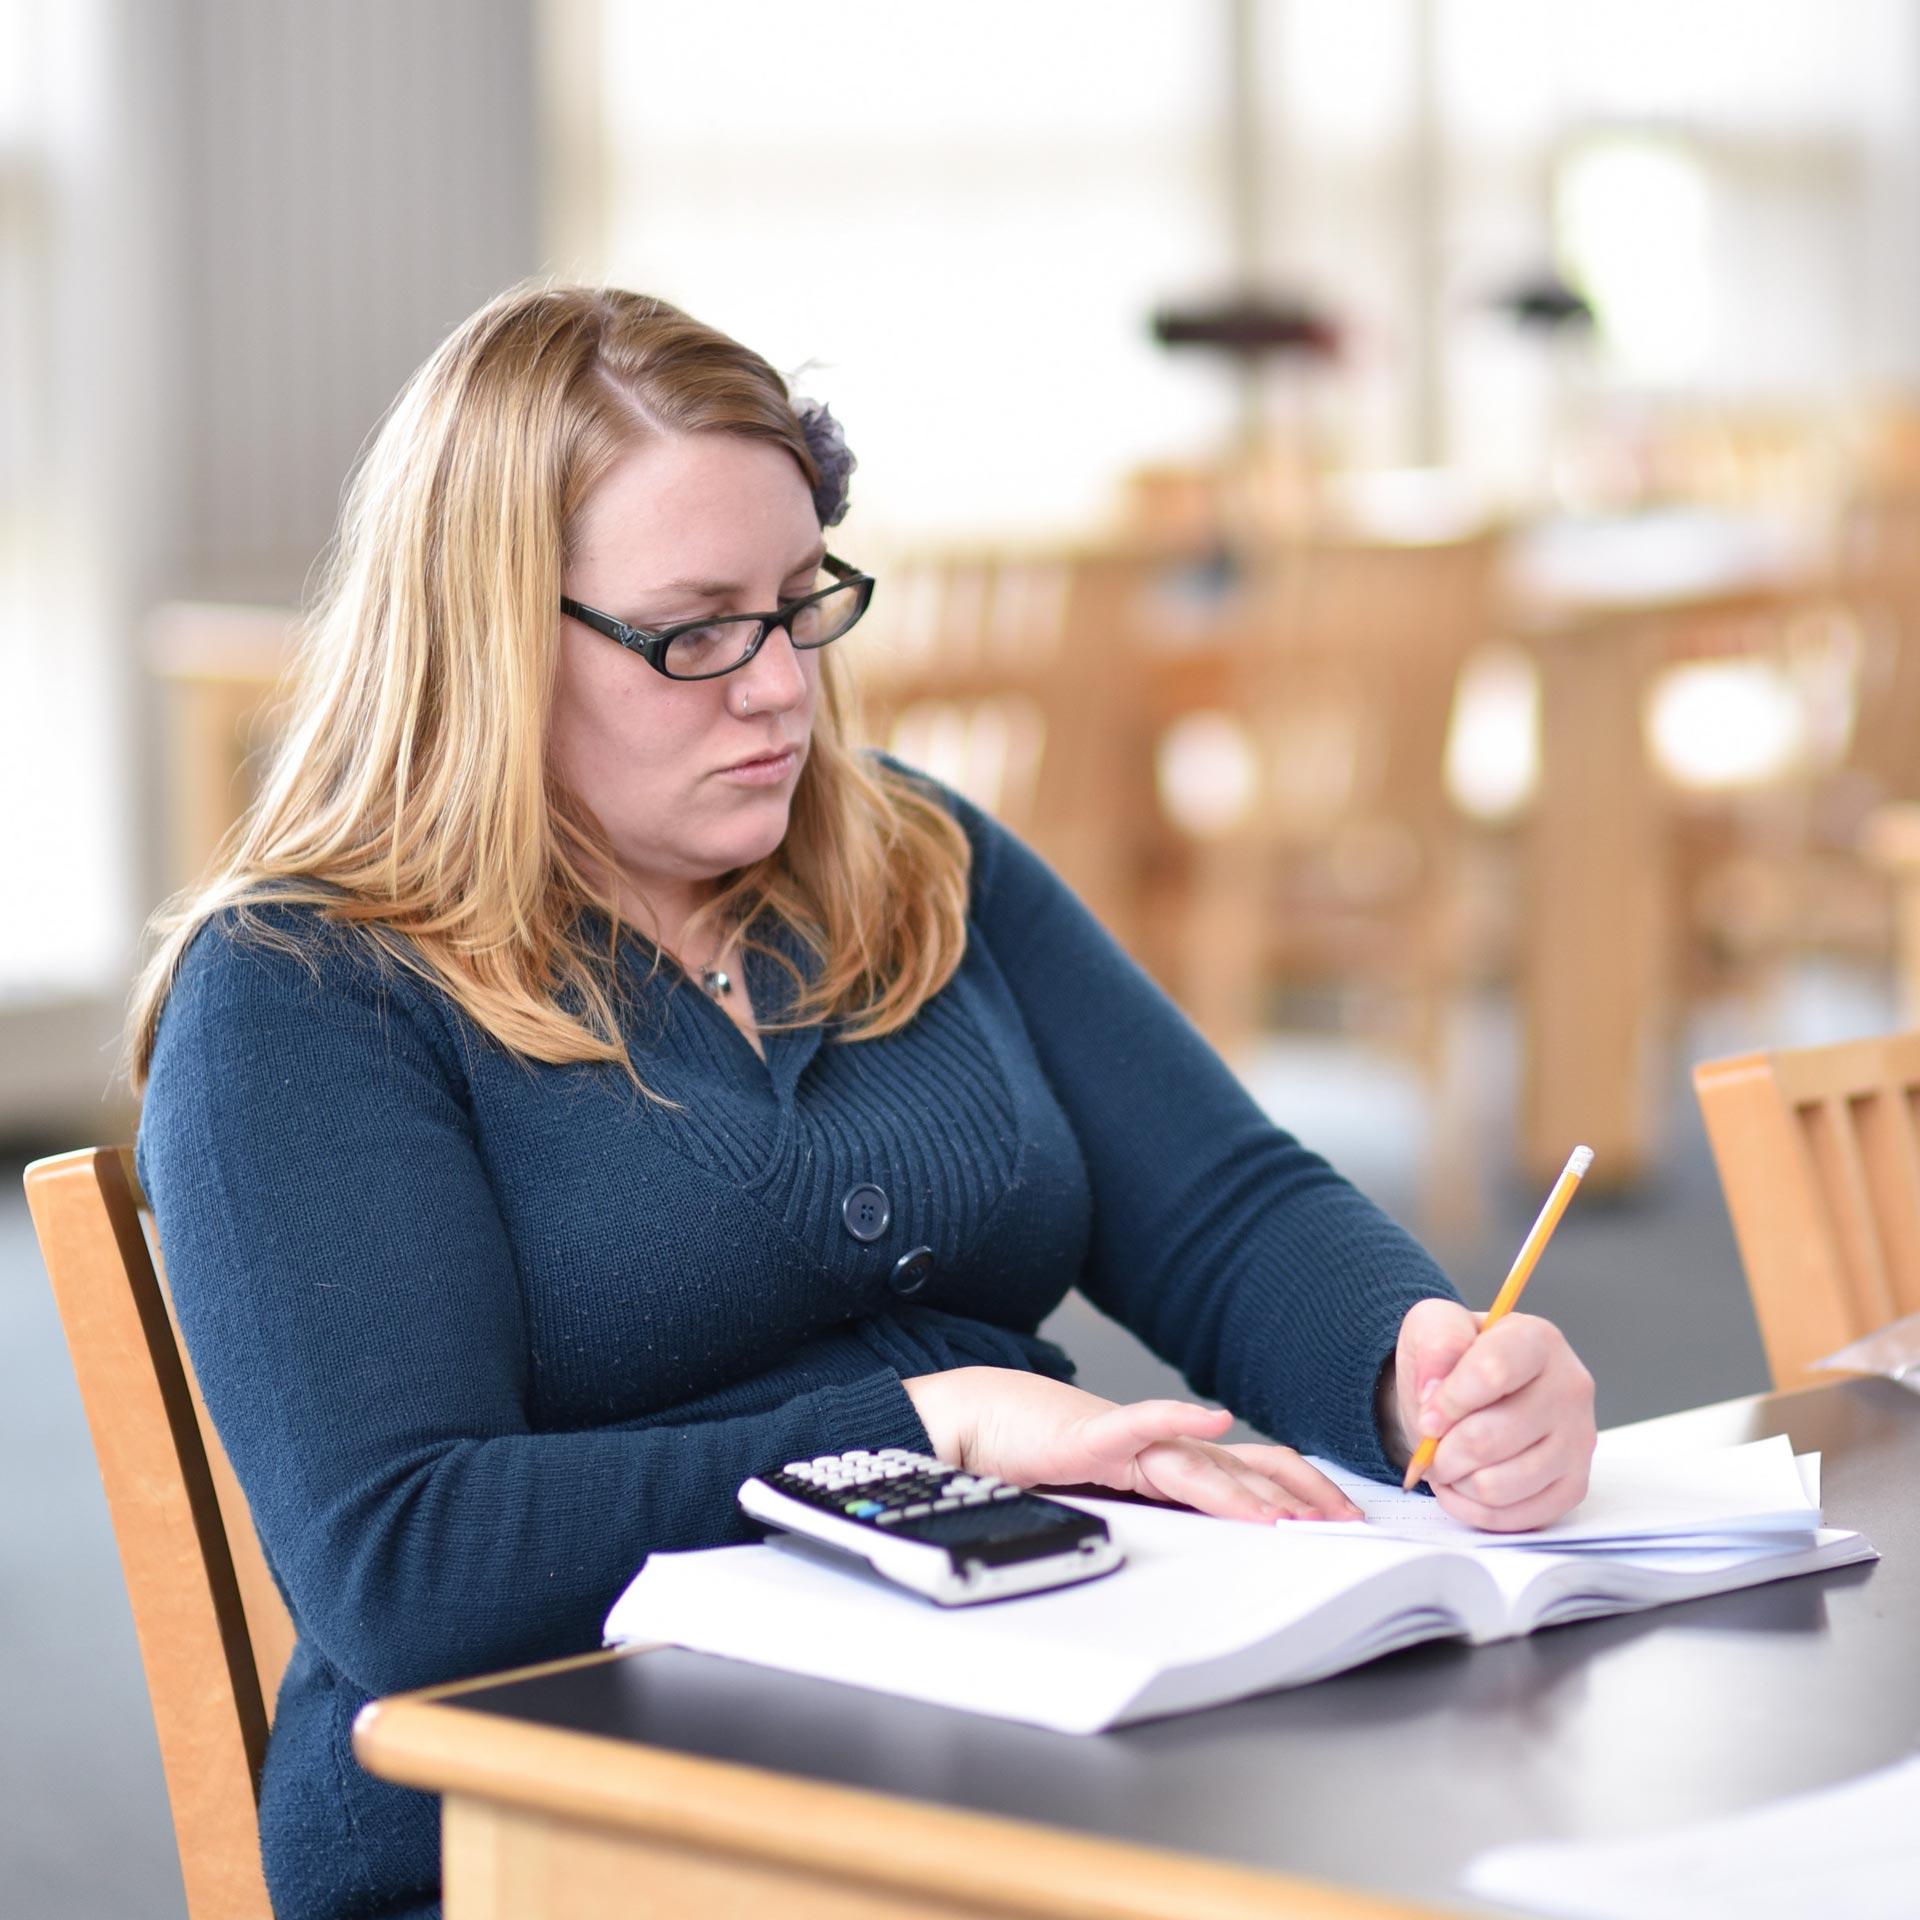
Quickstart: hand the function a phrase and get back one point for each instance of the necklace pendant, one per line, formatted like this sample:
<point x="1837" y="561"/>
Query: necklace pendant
<point x="717" y="982"/>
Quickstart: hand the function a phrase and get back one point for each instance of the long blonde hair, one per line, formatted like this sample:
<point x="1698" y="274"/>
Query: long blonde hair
<point x="412" y="794"/>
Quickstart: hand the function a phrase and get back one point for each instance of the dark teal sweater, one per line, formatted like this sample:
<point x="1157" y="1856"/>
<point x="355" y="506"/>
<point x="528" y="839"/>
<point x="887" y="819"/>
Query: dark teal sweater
<point x="481" y="1334"/>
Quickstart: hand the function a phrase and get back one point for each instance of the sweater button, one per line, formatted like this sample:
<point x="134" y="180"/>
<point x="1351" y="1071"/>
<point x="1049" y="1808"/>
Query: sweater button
<point x="867" y="1212"/>
<point x="912" y="1271"/>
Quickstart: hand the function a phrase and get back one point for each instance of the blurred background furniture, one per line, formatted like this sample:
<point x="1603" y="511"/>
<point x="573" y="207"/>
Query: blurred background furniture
<point x="1308" y="842"/>
<point x="1607" y="607"/>
<point x="1890" y="841"/>
<point x="221" y="667"/>
<point x="214" y="1633"/>
<point x="1006" y="673"/>
<point x="1819" y="1156"/>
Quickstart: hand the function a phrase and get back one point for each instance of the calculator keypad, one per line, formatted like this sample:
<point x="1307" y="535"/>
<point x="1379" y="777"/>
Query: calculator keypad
<point x="889" y="1486"/>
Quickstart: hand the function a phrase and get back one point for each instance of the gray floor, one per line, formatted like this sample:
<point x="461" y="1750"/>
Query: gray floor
<point x="1649" y="1290"/>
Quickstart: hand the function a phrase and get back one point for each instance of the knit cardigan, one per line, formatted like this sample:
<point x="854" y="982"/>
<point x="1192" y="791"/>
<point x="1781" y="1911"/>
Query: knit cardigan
<point x="479" y="1333"/>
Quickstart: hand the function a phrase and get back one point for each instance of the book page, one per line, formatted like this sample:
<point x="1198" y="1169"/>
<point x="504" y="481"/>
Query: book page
<point x="1196" y="1597"/>
<point x="1848" y="1849"/>
<point x="1728" y="1496"/>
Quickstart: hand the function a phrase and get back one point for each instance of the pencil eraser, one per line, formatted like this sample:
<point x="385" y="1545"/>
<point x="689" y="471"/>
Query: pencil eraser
<point x="1580" y="1160"/>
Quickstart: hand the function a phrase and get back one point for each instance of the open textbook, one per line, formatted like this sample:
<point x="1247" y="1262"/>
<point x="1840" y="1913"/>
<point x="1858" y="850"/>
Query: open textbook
<point x="1208" y="1610"/>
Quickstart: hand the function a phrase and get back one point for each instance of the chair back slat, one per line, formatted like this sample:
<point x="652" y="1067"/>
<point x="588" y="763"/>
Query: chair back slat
<point x="1831" y="1129"/>
<point x="202" y="1676"/>
<point x="1819" y="1156"/>
<point x="1884" y="1123"/>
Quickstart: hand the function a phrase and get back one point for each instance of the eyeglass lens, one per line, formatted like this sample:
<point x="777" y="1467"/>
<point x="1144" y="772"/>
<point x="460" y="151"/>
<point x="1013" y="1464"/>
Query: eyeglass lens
<point x="724" y="644"/>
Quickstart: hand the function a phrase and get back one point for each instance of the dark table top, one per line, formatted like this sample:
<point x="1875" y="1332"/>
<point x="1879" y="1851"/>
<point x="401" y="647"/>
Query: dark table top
<point x="1392" y="1777"/>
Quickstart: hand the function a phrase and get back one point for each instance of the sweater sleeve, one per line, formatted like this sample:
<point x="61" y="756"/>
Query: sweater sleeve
<point x="348" y="1295"/>
<point x="1233" y="1252"/>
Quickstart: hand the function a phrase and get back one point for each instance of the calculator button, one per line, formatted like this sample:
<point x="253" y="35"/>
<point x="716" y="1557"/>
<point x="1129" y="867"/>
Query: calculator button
<point x="867" y="1213"/>
<point x="797" y="1467"/>
<point x="888" y="1519"/>
<point x="945" y="1506"/>
<point x="975" y="1499"/>
<point x="1006" y="1493"/>
<point x="916" y="1510"/>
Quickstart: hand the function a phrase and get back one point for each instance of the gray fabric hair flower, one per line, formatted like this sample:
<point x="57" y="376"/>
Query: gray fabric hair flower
<point x="828" y="445"/>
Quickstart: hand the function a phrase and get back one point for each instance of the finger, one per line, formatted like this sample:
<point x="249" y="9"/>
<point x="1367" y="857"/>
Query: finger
<point x="1553" y="1503"/>
<point x="1513" y="1481"/>
<point x="1178" y="1470"/>
<point x="1500" y="1362"/>
<point x="1116" y="1434"/>
<point x="1433" y="1336"/>
<point x="1500" y="1432"/>
<point x="1302" y="1483"/>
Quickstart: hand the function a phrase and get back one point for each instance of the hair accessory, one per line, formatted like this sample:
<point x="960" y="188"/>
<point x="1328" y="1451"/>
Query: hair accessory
<point x="828" y="445"/>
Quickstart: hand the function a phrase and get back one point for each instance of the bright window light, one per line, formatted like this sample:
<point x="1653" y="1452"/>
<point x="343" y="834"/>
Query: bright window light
<point x="1634" y="228"/>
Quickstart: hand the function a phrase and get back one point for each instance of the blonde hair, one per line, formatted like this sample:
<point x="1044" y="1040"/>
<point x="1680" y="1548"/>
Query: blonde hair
<point x="412" y="795"/>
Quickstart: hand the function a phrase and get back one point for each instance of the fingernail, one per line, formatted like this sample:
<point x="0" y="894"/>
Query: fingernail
<point x="1427" y="1392"/>
<point x="1353" y="1512"/>
<point x="1431" y="1422"/>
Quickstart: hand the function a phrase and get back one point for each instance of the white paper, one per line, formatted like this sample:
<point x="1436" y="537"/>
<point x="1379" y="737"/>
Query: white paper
<point x="1204" y="1611"/>
<point x="1727" y="1496"/>
<point x="1193" y="1590"/>
<point x="1892" y="1351"/>
<point x="1851" y="1850"/>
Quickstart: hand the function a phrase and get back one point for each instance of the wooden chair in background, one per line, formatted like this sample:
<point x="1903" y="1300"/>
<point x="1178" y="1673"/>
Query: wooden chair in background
<point x="1340" y="863"/>
<point x="1011" y="676"/>
<point x="1819" y="1156"/>
<point x="214" y="1634"/>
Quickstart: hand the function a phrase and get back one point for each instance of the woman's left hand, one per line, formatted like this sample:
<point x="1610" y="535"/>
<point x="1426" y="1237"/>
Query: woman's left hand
<point x="1513" y="1409"/>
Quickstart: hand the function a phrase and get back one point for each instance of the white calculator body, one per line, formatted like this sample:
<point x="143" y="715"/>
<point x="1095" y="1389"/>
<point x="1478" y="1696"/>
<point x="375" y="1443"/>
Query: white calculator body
<point x="955" y="1537"/>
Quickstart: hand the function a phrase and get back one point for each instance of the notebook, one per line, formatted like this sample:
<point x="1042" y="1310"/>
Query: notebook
<point x="1207" y="1610"/>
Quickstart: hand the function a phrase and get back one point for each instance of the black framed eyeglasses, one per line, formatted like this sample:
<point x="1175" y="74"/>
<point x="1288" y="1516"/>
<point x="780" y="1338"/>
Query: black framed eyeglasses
<point x="705" y="649"/>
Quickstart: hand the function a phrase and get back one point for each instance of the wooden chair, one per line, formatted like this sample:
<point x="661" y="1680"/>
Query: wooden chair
<point x="214" y="1634"/>
<point x="1343" y="869"/>
<point x="1342" y="866"/>
<point x="1006" y="674"/>
<point x="1819" y="1157"/>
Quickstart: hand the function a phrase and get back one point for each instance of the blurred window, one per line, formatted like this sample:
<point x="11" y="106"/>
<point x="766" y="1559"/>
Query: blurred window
<point x="966" y="214"/>
<point x="63" y="807"/>
<point x="962" y="215"/>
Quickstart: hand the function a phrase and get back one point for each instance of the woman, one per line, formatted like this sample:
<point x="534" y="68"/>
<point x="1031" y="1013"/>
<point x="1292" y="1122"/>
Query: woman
<point x="588" y="1081"/>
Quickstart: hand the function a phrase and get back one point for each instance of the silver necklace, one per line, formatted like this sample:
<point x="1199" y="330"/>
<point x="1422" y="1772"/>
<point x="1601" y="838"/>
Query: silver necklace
<point x="717" y="981"/>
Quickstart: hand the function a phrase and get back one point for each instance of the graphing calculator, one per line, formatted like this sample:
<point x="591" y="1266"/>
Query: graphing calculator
<point x="955" y="1537"/>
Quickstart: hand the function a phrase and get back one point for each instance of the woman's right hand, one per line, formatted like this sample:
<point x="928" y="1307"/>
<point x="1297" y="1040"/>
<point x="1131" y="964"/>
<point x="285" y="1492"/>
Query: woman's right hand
<point x="1040" y="1432"/>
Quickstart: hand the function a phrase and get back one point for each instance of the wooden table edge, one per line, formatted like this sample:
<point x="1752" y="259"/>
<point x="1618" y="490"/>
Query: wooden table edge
<point x="716" y="1807"/>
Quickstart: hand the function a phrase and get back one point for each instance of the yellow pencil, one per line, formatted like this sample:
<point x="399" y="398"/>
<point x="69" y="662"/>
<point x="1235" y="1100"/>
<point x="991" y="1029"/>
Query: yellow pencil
<point x="1524" y="1263"/>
